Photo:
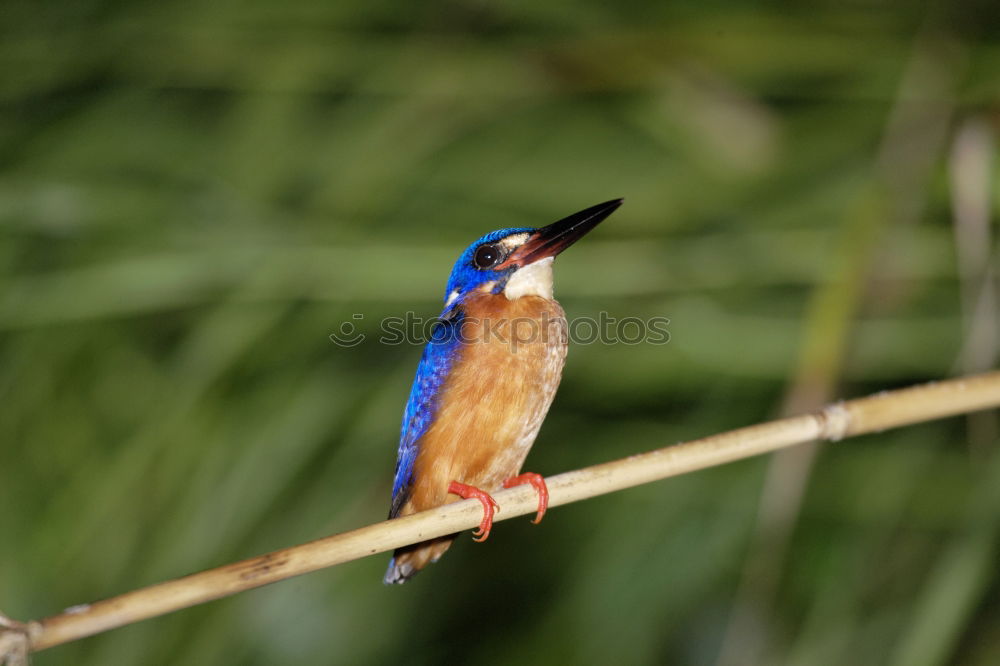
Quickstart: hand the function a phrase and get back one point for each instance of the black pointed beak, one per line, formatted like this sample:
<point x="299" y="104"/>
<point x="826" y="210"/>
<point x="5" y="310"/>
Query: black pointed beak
<point x="556" y="237"/>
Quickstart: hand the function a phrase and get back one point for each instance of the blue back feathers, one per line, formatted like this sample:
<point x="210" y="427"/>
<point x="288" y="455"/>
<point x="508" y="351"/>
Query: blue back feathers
<point x="439" y="353"/>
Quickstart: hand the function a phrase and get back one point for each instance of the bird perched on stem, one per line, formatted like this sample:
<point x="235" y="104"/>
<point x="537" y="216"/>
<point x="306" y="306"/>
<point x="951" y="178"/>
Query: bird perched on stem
<point x="485" y="380"/>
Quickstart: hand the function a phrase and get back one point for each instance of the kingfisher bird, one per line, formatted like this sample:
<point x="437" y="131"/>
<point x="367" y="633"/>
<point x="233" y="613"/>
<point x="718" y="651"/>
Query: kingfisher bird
<point x="485" y="380"/>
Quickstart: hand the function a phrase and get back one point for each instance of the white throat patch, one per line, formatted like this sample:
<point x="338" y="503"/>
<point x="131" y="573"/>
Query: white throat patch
<point x="532" y="280"/>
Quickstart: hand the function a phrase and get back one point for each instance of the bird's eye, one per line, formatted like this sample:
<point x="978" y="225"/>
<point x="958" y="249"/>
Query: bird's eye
<point x="487" y="256"/>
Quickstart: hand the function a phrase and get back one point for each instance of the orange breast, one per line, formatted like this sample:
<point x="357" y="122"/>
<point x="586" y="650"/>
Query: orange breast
<point x="494" y="399"/>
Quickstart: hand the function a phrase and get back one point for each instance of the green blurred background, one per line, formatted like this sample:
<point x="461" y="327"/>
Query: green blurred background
<point x="193" y="196"/>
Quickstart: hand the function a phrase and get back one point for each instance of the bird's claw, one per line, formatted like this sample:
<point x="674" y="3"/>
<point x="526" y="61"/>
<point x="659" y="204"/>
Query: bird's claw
<point x="538" y="483"/>
<point x="490" y="506"/>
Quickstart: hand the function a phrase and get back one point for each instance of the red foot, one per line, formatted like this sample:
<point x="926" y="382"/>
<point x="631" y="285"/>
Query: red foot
<point x="489" y="505"/>
<point x="538" y="482"/>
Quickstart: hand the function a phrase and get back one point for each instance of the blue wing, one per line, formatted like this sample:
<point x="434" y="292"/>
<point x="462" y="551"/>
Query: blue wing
<point x="435" y="364"/>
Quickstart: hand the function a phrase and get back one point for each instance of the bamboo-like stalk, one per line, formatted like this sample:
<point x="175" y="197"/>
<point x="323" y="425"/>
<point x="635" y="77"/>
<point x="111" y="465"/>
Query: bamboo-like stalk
<point x="875" y="413"/>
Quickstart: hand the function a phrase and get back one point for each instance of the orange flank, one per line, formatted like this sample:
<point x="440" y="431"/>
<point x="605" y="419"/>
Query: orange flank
<point x="491" y="406"/>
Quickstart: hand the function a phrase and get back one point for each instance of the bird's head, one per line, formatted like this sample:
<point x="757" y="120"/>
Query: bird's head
<point x="518" y="262"/>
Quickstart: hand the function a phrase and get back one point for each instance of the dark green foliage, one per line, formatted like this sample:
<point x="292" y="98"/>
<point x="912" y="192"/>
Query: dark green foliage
<point x="194" y="196"/>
